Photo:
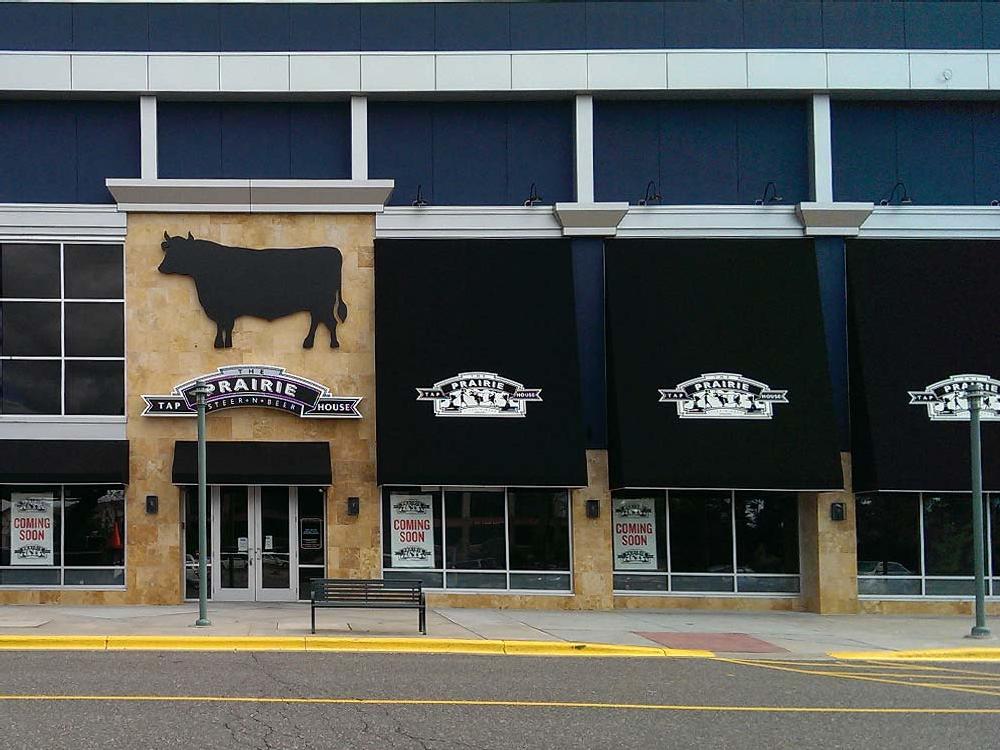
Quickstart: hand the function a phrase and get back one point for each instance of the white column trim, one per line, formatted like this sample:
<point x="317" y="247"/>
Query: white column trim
<point x="584" y="171"/>
<point x="359" y="137"/>
<point x="148" y="137"/>
<point x="821" y="150"/>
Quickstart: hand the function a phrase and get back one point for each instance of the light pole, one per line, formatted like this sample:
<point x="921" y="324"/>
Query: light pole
<point x="200" y="391"/>
<point x="975" y="398"/>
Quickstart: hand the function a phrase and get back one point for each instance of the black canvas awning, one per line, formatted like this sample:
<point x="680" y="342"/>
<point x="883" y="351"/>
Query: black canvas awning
<point x="254" y="462"/>
<point x="476" y="364"/>
<point x="64" y="461"/>
<point x="717" y="367"/>
<point x="924" y="316"/>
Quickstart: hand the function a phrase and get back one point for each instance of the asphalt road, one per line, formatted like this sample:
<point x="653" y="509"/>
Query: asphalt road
<point x="134" y="700"/>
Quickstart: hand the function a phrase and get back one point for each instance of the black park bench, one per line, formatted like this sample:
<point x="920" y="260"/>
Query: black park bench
<point x="368" y="593"/>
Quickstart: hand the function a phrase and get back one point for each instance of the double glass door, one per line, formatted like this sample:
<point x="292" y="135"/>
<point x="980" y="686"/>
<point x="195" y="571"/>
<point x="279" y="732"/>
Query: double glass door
<point x="253" y="555"/>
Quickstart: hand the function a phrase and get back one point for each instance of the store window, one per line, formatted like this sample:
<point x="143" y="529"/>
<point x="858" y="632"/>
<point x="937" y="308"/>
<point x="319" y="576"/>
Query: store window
<point x="706" y="542"/>
<point x="920" y="544"/>
<point x="499" y="539"/>
<point x="62" y="329"/>
<point x="71" y="535"/>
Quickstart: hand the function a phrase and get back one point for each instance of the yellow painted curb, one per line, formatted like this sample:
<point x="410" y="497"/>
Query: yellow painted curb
<point x="53" y="642"/>
<point x="565" y="648"/>
<point x="925" y="654"/>
<point x="405" y="645"/>
<point x="205" y="643"/>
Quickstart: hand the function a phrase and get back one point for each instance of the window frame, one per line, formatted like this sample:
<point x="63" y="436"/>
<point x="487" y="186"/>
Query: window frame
<point x="62" y="567"/>
<point x="992" y="579"/>
<point x="62" y="358"/>
<point x="667" y="575"/>
<point x="443" y="570"/>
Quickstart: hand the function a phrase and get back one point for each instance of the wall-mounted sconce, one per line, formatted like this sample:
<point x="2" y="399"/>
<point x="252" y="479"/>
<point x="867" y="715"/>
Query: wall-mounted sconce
<point x="995" y="203"/>
<point x="593" y="509"/>
<point x="152" y="505"/>
<point x="533" y="197"/>
<point x="419" y="201"/>
<point x="904" y="196"/>
<point x="765" y="199"/>
<point x="652" y="195"/>
<point x="838" y="511"/>
<point x="353" y="506"/>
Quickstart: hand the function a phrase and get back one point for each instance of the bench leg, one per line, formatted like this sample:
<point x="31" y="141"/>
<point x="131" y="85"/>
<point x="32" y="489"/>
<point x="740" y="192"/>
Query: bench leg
<point x="423" y="620"/>
<point x="313" y="613"/>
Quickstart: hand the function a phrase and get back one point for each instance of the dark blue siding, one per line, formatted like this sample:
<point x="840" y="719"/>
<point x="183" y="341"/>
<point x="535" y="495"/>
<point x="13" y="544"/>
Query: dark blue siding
<point x="241" y="140"/>
<point x="254" y="27"/>
<point x="991" y="25"/>
<point x="120" y="26"/>
<point x="397" y="26"/>
<point x="472" y="153"/>
<point x="193" y="28"/>
<point x="26" y="26"/>
<point x="782" y="23"/>
<point x="588" y="288"/>
<point x="833" y="300"/>
<point x="703" y="23"/>
<point x="473" y="26"/>
<point x="547" y="26"/>
<point x="944" y="25"/>
<point x="944" y="152"/>
<point x="61" y="152"/>
<point x="614" y="25"/>
<point x="700" y="152"/>
<point x="873" y="24"/>
<point x="330" y="28"/>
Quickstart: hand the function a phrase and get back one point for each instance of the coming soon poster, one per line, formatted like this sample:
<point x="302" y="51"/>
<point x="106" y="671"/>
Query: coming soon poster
<point x="32" y="530"/>
<point x="411" y="520"/>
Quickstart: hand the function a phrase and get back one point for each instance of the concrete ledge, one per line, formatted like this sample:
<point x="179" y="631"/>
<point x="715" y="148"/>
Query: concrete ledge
<point x="833" y="219"/>
<point x="590" y="219"/>
<point x="924" y="654"/>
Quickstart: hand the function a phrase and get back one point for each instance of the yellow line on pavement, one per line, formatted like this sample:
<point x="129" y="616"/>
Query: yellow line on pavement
<point x="473" y="703"/>
<point x="928" y="668"/>
<point x="864" y="678"/>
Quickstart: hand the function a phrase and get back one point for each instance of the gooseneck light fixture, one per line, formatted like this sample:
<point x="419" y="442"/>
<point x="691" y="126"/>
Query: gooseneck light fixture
<point x="533" y="197"/>
<point x="420" y="201"/>
<point x="904" y="196"/>
<point x="652" y="195"/>
<point x="767" y="199"/>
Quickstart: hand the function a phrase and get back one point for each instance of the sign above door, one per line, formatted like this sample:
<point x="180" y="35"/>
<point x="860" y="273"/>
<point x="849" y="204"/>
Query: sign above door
<point x="255" y="386"/>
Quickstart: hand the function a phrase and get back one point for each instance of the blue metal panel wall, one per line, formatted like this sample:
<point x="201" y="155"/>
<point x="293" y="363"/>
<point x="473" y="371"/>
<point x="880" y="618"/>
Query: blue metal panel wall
<point x="615" y="25"/>
<point x="254" y="27"/>
<point x="782" y="23"/>
<point x="397" y="26"/>
<point x="473" y="26"/>
<point x="264" y="140"/>
<point x="703" y="23"/>
<point x="588" y="286"/>
<point x="701" y="152"/>
<point x="26" y="26"/>
<point x="472" y="153"/>
<point x="831" y="268"/>
<point x="944" y="152"/>
<point x="120" y="27"/>
<point x="872" y="24"/>
<point x="61" y="152"/>
<point x="547" y="26"/>
<point x="330" y="28"/>
<point x="193" y="28"/>
<point x="944" y="25"/>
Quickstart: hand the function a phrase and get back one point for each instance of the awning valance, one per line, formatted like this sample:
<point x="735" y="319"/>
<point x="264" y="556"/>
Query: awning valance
<point x="924" y="325"/>
<point x="717" y="367"/>
<point x="254" y="462"/>
<point x="476" y="364"/>
<point x="64" y="461"/>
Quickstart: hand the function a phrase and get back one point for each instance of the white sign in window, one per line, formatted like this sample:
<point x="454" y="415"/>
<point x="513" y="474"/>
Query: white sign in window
<point x="32" y="531"/>
<point x="411" y="521"/>
<point x="635" y="533"/>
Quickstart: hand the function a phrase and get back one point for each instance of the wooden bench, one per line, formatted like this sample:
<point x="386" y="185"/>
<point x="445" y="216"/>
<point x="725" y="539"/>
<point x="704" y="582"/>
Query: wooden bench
<point x="362" y="593"/>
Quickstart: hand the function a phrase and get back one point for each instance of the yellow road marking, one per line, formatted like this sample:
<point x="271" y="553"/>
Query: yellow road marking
<point x="493" y="704"/>
<point x="928" y="668"/>
<point x="864" y="678"/>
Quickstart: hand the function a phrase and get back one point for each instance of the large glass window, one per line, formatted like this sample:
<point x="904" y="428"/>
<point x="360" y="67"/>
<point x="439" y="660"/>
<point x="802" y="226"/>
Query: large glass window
<point x="695" y="541"/>
<point x="62" y="329"/>
<point x="477" y="538"/>
<point x="73" y="535"/>
<point x="920" y="544"/>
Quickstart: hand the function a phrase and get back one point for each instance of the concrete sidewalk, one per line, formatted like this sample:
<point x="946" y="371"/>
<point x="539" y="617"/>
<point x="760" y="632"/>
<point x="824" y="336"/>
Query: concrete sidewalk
<point x="771" y="634"/>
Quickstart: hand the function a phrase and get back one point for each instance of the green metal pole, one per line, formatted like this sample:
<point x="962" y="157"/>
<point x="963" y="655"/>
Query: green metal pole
<point x="978" y="546"/>
<point x="201" y="391"/>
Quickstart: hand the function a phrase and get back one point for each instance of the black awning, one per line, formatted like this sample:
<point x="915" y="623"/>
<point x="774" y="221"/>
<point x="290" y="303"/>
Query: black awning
<point x="70" y="461"/>
<point x="254" y="462"/>
<point x="717" y="367"/>
<point x="923" y="316"/>
<point x="476" y="364"/>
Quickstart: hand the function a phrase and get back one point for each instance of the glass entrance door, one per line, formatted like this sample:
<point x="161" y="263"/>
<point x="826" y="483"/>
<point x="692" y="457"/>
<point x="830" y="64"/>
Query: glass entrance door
<point x="253" y="558"/>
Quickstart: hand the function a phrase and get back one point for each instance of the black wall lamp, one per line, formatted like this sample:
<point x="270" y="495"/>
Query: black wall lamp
<point x="652" y="195"/>
<point x="904" y="196"/>
<point x="838" y="512"/>
<point x="419" y="201"/>
<point x="152" y="504"/>
<point x="533" y="197"/>
<point x="765" y="199"/>
<point x="593" y="509"/>
<point x="353" y="506"/>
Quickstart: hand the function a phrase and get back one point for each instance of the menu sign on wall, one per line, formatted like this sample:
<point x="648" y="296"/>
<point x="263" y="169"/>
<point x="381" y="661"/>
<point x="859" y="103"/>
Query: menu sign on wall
<point x="411" y="530"/>
<point x="32" y="530"/>
<point x="635" y="533"/>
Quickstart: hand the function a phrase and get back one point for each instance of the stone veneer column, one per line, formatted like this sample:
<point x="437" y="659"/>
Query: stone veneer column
<point x="592" y="559"/>
<point x="828" y="550"/>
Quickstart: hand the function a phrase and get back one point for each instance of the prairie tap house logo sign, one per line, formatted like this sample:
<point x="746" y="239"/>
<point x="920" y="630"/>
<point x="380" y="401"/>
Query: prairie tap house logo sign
<point x="264" y="386"/>
<point x="948" y="400"/>
<point x="479" y="394"/>
<point x="723" y="395"/>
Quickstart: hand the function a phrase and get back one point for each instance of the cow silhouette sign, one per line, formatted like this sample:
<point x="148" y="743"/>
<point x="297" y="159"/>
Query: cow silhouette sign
<point x="269" y="284"/>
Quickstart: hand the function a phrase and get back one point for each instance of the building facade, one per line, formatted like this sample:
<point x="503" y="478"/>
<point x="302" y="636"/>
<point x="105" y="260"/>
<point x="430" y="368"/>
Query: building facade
<point x="545" y="304"/>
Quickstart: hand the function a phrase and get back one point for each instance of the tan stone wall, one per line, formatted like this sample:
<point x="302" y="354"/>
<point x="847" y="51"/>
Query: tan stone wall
<point x="170" y="340"/>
